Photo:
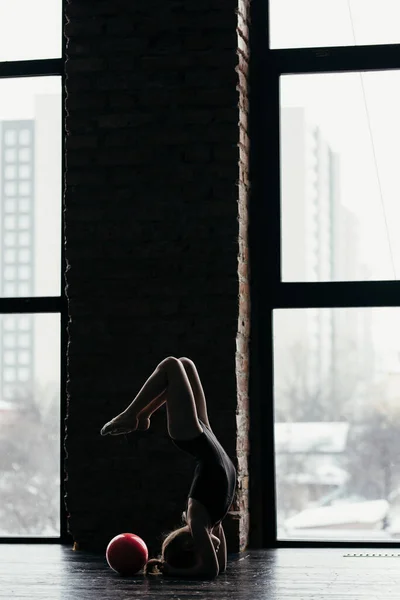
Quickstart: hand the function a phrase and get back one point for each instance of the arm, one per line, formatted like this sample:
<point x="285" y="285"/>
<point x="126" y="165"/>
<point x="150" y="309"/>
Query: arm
<point x="208" y="562"/>
<point x="218" y="531"/>
<point x="207" y="565"/>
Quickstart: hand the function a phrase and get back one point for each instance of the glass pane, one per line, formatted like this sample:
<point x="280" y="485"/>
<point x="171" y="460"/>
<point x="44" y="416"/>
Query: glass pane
<point x="30" y="425"/>
<point x="30" y="29"/>
<point x="339" y="176"/>
<point x="319" y="23"/>
<point x="337" y="423"/>
<point x="30" y="186"/>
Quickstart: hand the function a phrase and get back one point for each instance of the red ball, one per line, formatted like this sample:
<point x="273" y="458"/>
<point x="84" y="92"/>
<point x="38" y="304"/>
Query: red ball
<point x="127" y="554"/>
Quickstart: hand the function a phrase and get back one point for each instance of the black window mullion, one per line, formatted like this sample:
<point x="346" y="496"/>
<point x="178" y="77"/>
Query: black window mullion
<point x="32" y="68"/>
<point x="64" y="536"/>
<point x="264" y="246"/>
<point x="338" y="59"/>
<point x="268" y="192"/>
<point x="337" y="294"/>
<point x="32" y="305"/>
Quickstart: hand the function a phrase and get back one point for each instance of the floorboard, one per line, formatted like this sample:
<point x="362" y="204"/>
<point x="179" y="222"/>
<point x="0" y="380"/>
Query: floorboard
<point x="56" y="572"/>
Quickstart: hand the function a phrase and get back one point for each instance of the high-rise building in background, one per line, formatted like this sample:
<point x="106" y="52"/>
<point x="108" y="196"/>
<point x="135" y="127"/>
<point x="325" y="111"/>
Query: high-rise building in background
<point x="17" y="214"/>
<point x="319" y="243"/>
<point x="30" y="246"/>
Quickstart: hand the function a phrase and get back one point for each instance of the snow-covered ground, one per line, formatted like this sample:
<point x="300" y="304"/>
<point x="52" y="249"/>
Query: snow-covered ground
<point x="343" y="521"/>
<point x="369" y="515"/>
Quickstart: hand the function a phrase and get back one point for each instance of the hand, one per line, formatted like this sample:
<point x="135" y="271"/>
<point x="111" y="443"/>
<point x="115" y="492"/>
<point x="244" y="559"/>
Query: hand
<point x="216" y="542"/>
<point x="154" y="566"/>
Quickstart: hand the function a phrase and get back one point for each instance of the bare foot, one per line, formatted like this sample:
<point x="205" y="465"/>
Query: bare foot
<point x="120" y="424"/>
<point x="143" y="423"/>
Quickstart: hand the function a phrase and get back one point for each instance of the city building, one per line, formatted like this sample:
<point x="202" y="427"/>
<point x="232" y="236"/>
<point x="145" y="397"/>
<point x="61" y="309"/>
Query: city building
<point x="30" y="246"/>
<point x="319" y="243"/>
<point x="17" y="254"/>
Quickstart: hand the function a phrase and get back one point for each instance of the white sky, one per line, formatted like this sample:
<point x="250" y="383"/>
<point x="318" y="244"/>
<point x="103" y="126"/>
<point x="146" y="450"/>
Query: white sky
<point x="308" y="23"/>
<point x="17" y="96"/>
<point x="30" y="29"/>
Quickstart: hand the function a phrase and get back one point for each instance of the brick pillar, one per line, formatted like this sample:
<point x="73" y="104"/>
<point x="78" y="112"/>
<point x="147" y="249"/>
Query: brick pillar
<point x="243" y="334"/>
<point x="151" y="212"/>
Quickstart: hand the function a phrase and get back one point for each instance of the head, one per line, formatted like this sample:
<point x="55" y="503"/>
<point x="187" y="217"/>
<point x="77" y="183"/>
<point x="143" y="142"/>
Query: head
<point x="178" y="548"/>
<point x="177" y="551"/>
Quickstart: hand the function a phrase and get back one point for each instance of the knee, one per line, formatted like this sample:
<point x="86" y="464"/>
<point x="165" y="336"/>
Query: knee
<point x="186" y="362"/>
<point x="170" y="362"/>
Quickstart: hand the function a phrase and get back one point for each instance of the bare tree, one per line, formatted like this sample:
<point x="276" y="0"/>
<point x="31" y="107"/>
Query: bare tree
<point x="29" y="469"/>
<point x="298" y="400"/>
<point x="333" y="396"/>
<point x="374" y="449"/>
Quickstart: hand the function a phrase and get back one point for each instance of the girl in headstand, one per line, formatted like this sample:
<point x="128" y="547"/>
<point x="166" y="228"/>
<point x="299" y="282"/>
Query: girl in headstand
<point x="198" y="549"/>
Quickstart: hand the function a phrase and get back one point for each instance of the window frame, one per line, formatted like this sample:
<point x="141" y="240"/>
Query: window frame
<point x="51" y="304"/>
<point x="267" y="290"/>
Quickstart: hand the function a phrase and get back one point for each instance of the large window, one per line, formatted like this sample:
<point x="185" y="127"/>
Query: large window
<point x="32" y="313"/>
<point x="325" y="125"/>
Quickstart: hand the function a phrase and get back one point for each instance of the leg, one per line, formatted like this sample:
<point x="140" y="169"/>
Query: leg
<point x="152" y="391"/>
<point x="183" y="423"/>
<point x="143" y="419"/>
<point x="153" y="406"/>
<point x="197" y="388"/>
<point x="169" y="381"/>
<point x="198" y="393"/>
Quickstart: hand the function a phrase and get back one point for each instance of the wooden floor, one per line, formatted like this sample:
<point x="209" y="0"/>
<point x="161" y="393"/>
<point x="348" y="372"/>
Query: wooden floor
<point x="54" y="572"/>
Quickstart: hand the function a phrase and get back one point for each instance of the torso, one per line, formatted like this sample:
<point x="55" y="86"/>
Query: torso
<point x="214" y="480"/>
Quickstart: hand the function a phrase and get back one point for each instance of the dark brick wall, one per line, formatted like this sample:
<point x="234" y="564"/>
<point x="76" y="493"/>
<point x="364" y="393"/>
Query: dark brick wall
<point x="152" y="244"/>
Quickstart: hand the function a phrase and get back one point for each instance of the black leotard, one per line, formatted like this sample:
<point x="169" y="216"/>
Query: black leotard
<point x="214" y="480"/>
